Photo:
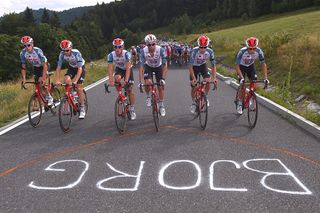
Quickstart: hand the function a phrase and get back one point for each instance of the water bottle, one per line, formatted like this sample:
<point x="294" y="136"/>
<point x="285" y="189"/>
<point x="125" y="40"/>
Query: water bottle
<point x="75" y="96"/>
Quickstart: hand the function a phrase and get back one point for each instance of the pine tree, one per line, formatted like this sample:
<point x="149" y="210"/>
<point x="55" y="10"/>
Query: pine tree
<point x="54" y="20"/>
<point x="45" y="18"/>
<point x="28" y="16"/>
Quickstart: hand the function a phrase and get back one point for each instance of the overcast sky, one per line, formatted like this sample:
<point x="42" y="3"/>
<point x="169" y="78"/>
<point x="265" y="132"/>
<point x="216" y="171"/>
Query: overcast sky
<point x="9" y="6"/>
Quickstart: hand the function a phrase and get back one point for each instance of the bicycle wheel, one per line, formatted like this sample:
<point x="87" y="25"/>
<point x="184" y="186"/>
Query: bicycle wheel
<point x="237" y="99"/>
<point x="252" y="110"/>
<point x="55" y="93"/>
<point x="203" y="111"/>
<point x="85" y="101"/>
<point x="120" y="116"/>
<point x="34" y="110"/>
<point x="155" y="112"/>
<point x="65" y="114"/>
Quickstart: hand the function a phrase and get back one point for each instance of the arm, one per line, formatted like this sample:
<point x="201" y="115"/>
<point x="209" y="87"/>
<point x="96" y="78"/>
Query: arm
<point x="164" y="63"/>
<point x="23" y="73"/>
<point x="192" y="73"/>
<point x="110" y="71"/>
<point x="214" y="73"/>
<point x="110" y="68"/>
<point x="128" y="66"/>
<point x="141" y="68"/>
<point x="239" y="71"/>
<point x="58" y="69"/>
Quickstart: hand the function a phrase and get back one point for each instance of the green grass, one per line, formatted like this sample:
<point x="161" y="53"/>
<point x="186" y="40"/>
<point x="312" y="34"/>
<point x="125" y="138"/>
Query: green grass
<point x="291" y="43"/>
<point x="14" y="100"/>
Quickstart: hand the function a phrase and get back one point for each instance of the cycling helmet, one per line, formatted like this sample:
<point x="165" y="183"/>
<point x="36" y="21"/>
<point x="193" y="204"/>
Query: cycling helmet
<point x="26" y="40"/>
<point x="65" y="44"/>
<point x="150" y="38"/>
<point x="252" y="42"/>
<point x="118" y="42"/>
<point x="203" y="41"/>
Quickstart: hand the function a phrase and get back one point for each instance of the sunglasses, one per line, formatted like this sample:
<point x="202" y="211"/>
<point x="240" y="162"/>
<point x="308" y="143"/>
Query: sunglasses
<point x="203" y="47"/>
<point x="117" y="47"/>
<point x="252" y="48"/>
<point x="27" y="45"/>
<point x="149" y="45"/>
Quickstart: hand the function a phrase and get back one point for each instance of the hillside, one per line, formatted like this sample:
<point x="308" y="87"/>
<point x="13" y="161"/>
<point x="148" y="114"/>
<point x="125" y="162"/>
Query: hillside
<point x="66" y="17"/>
<point x="292" y="48"/>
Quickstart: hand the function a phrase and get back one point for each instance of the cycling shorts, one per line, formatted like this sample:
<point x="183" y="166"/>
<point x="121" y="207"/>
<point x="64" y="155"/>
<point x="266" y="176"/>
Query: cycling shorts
<point x="72" y="72"/>
<point x="249" y="71"/>
<point x="148" y="72"/>
<point x="122" y="73"/>
<point x="202" y="69"/>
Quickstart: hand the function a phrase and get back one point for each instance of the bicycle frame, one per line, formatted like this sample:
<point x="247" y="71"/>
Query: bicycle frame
<point x="248" y="93"/>
<point x="70" y="96"/>
<point x="122" y="112"/>
<point x="38" y="92"/>
<point x="248" y="97"/>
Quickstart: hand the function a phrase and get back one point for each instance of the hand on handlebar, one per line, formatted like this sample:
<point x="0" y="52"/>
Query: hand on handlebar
<point x="193" y="82"/>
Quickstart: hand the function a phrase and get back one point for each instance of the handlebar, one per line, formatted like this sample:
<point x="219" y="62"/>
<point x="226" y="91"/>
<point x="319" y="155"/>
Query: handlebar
<point x="258" y="81"/>
<point x="145" y="85"/>
<point x="32" y="82"/>
<point x="106" y="86"/>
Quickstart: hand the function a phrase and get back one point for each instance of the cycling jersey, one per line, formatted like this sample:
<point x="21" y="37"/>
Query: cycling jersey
<point x="120" y="61"/>
<point x="75" y="60"/>
<point x="36" y="57"/>
<point x="158" y="59"/>
<point x="198" y="59"/>
<point x="246" y="59"/>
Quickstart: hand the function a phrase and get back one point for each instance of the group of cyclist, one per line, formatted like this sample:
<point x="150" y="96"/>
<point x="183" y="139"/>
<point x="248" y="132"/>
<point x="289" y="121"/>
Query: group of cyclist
<point x="152" y="57"/>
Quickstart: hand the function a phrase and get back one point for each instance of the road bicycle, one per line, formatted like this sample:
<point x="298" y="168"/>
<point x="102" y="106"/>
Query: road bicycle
<point x="201" y="102"/>
<point x="38" y="102"/>
<point x="121" y="106"/>
<point x="154" y="102"/>
<point x="70" y="106"/>
<point x="249" y="100"/>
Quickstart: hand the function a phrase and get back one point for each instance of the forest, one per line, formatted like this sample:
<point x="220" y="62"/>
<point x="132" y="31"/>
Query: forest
<point x="93" y="32"/>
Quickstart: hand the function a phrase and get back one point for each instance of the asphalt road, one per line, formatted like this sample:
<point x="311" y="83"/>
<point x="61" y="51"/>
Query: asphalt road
<point x="226" y="168"/>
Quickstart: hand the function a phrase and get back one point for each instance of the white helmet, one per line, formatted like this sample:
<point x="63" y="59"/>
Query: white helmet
<point x="150" y="38"/>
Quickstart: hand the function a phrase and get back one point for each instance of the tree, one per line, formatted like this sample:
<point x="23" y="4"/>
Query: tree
<point x="28" y="16"/>
<point x="9" y="56"/>
<point x="253" y="11"/>
<point x="45" y="18"/>
<point x="54" y="20"/>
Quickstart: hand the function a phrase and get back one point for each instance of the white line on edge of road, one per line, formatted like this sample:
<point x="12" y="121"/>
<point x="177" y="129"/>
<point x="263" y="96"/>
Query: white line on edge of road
<point x="300" y="121"/>
<point x="25" y="118"/>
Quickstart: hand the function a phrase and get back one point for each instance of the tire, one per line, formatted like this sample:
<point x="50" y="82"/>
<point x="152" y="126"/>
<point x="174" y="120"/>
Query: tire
<point x="34" y="107"/>
<point x="85" y="101"/>
<point x="120" y="116"/>
<point x="155" y="112"/>
<point x="65" y="114"/>
<point x="252" y="110"/>
<point x="55" y="93"/>
<point x="236" y="100"/>
<point x="203" y="111"/>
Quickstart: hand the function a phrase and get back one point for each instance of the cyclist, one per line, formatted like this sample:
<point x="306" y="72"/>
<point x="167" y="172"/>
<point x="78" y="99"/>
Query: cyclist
<point x="134" y="55"/>
<point x="245" y="64"/>
<point x="38" y="60"/>
<point x="76" y="71"/>
<point x="153" y="59"/>
<point x="198" y="64"/>
<point x="123" y="69"/>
